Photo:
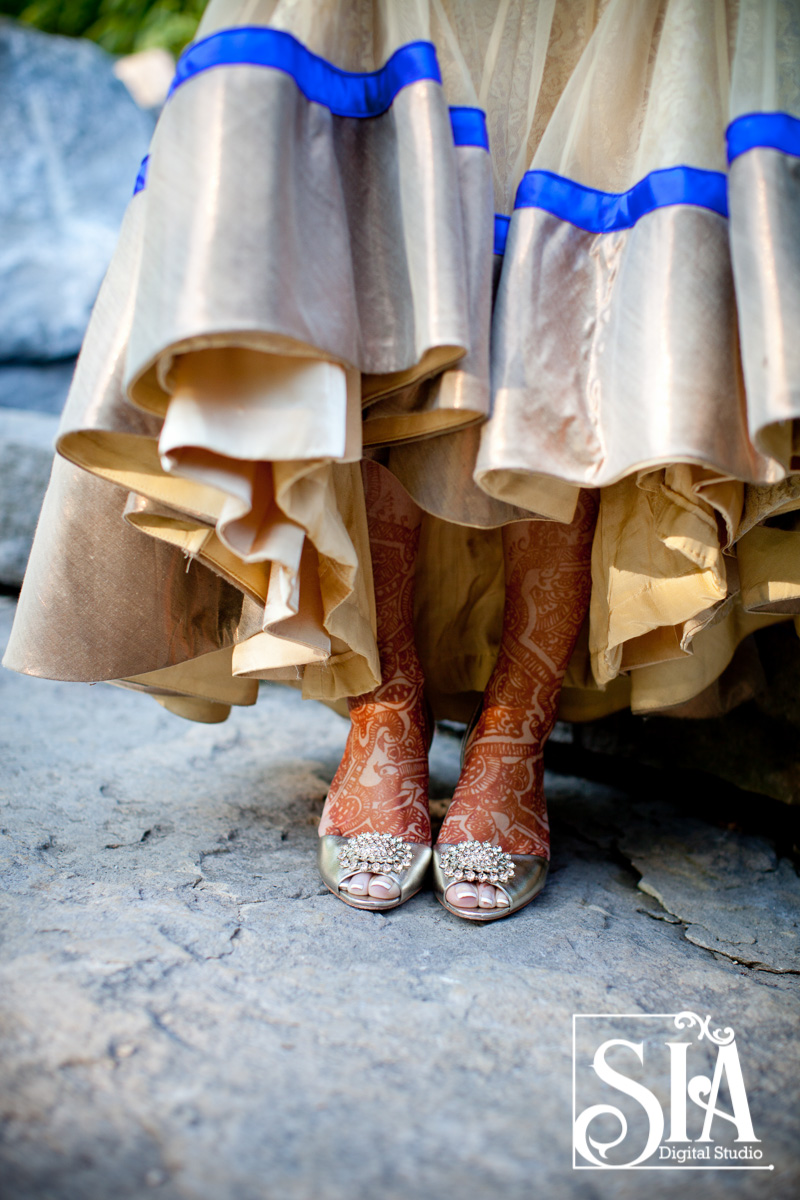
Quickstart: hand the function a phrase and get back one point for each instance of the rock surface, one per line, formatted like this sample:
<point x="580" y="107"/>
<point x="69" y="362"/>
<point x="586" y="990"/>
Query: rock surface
<point x="71" y="140"/>
<point x="26" y="455"/>
<point x="732" y="892"/>
<point x="186" y="1012"/>
<point x="36" y="387"/>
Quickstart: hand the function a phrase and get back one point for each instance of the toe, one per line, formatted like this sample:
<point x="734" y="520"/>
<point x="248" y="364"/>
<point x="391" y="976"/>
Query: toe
<point x="383" y="888"/>
<point x="462" y="895"/>
<point x="501" y="899"/>
<point x="357" y="885"/>
<point x="486" y="895"/>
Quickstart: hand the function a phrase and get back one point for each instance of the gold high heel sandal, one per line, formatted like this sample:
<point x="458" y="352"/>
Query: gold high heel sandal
<point x="339" y="858"/>
<point x="520" y="877"/>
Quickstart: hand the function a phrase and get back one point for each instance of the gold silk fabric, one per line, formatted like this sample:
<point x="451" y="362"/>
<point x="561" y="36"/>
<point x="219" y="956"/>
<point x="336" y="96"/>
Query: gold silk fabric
<point x="295" y="288"/>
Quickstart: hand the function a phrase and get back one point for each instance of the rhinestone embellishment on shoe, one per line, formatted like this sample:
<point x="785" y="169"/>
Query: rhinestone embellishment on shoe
<point x="380" y="853"/>
<point x="477" y="862"/>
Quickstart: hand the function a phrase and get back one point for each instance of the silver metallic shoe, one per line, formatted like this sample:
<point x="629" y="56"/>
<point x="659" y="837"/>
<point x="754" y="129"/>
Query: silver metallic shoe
<point x="380" y="853"/>
<point x="519" y="876"/>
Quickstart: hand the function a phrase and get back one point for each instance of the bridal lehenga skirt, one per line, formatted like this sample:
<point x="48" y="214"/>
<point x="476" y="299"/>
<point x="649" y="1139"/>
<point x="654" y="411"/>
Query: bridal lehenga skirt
<point x="510" y="248"/>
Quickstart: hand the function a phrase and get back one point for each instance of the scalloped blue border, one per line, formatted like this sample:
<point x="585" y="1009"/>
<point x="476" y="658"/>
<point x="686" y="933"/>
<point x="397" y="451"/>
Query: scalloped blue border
<point x="501" y="224"/>
<point x="345" y="93"/>
<point x="469" y="126"/>
<point x="771" y="131"/>
<point x="141" y="178"/>
<point x="369" y="94"/>
<point x="605" y="212"/>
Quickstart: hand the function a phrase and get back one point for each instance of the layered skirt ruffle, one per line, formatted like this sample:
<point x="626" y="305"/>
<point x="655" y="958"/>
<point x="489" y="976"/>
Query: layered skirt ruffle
<point x="510" y="250"/>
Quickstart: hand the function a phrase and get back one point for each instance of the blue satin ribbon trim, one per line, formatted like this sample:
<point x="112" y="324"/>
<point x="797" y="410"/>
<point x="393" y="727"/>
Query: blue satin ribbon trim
<point x="469" y="127"/>
<point x="501" y="225"/>
<point x="774" y="131"/>
<point x="605" y="212"/>
<point x="345" y="93"/>
<point x="141" y="178"/>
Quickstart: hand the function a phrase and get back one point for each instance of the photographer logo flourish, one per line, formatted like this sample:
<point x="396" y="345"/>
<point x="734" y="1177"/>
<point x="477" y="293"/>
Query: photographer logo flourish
<point x="677" y="1098"/>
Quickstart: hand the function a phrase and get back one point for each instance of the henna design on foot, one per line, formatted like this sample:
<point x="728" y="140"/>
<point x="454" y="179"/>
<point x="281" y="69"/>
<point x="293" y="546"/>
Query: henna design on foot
<point x="500" y="794"/>
<point x="382" y="782"/>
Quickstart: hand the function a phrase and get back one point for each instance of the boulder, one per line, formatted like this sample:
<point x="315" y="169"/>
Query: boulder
<point x="36" y="387"/>
<point x="71" y="140"/>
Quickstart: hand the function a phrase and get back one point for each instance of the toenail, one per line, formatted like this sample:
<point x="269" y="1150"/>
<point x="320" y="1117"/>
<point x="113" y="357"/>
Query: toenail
<point x="462" y="892"/>
<point x="501" y="900"/>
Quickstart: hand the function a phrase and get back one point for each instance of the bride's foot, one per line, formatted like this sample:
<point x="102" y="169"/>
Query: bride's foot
<point x="499" y="799"/>
<point x="381" y="786"/>
<point x="500" y="795"/>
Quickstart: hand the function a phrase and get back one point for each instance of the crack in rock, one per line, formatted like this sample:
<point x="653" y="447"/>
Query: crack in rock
<point x="732" y="894"/>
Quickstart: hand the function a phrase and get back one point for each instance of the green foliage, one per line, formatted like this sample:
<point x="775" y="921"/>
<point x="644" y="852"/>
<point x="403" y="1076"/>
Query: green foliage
<point x="120" y="26"/>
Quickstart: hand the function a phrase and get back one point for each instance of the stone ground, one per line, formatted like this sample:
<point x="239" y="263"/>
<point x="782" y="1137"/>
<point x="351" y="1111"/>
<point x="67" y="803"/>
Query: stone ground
<point x="26" y="457"/>
<point x="185" y="1011"/>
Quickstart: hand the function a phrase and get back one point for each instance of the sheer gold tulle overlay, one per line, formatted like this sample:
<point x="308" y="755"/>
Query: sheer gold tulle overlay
<point x="294" y="290"/>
